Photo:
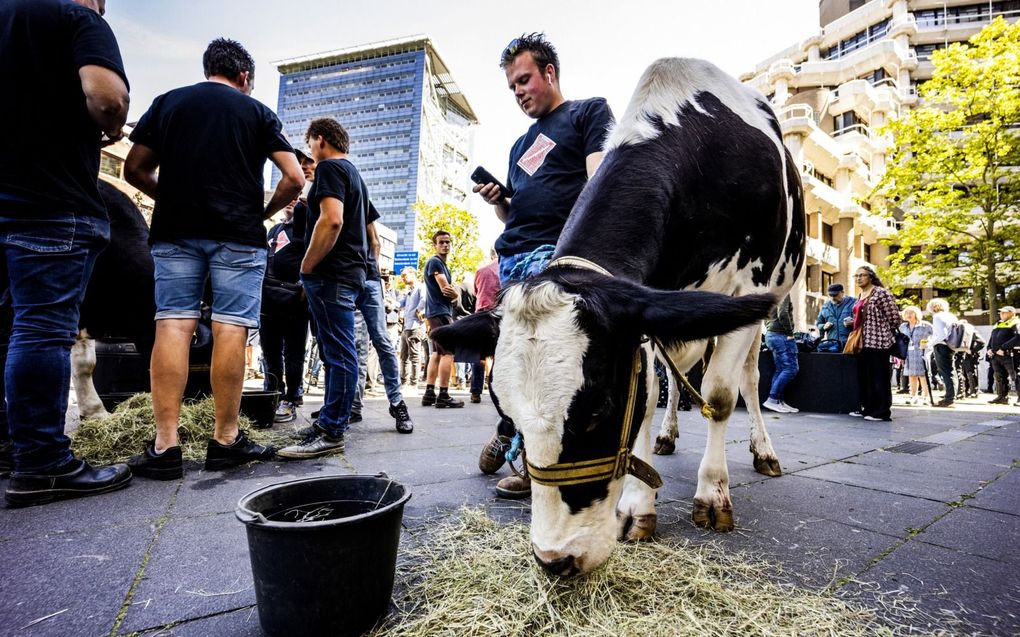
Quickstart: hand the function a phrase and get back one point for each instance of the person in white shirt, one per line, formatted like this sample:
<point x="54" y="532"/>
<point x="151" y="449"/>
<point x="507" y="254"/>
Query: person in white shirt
<point x="942" y="320"/>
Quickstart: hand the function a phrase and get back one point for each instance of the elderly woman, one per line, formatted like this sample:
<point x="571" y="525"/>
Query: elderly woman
<point x="915" y="367"/>
<point x="941" y="320"/>
<point x="878" y="318"/>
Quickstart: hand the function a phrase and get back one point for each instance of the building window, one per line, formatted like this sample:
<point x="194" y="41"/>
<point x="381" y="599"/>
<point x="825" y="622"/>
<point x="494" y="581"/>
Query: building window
<point x="857" y="41"/>
<point x="867" y="252"/>
<point x="109" y="165"/>
<point x="827" y="234"/>
<point x="826" y="281"/>
<point x="924" y="51"/>
<point x="875" y="76"/>
<point x="844" y="121"/>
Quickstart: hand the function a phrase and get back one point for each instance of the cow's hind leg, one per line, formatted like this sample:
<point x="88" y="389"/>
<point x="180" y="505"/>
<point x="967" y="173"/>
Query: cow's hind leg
<point x="83" y="364"/>
<point x="665" y="442"/>
<point x="766" y="461"/>
<point x="635" y="512"/>
<point x="712" y="505"/>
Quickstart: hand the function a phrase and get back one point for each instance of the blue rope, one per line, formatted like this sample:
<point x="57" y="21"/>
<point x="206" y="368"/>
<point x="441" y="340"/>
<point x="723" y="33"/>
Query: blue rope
<point x="515" y="447"/>
<point x="541" y="255"/>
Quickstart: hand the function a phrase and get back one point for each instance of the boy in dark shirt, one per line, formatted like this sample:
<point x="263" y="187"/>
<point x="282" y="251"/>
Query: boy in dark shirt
<point x="333" y="272"/>
<point x="210" y="142"/>
<point x="439" y="296"/>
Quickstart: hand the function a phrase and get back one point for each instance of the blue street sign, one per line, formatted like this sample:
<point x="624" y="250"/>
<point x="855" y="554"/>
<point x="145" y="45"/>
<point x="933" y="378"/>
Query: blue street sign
<point x="405" y="259"/>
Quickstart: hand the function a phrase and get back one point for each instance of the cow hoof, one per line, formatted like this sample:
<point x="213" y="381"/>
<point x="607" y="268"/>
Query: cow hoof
<point x="635" y="528"/>
<point x="664" y="446"/>
<point x="768" y="466"/>
<point x="717" y="518"/>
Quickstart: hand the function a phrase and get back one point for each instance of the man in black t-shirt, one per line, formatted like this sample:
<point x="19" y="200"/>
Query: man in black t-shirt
<point x="549" y="165"/>
<point x="210" y="142"/>
<point x="333" y="273"/>
<point x="439" y="296"/>
<point x="61" y="73"/>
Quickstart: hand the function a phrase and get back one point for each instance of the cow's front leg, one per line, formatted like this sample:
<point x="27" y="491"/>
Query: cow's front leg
<point x="635" y="512"/>
<point x="83" y="364"/>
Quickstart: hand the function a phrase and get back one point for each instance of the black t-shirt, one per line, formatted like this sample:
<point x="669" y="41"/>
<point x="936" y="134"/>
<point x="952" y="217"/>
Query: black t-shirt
<point x="285" y="252"/>
<point x="435" y="303"/>
<point x="547" y="172"/>
<point x="49" y="148"/>
<point x="373" y="265"/>
<point x="347" y="261"/>
<point x="212" y="142"/>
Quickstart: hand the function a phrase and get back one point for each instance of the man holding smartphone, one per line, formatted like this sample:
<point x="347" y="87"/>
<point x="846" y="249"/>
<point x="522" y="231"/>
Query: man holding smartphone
<point x="549" y="165"/>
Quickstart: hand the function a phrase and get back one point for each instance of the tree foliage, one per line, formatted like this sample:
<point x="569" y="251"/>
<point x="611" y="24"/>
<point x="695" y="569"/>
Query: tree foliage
<point x="465" y="256"/>
<point x="953" y="170"/>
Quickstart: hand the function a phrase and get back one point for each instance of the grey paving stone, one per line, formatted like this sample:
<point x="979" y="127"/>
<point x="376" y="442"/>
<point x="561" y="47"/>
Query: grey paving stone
<point x="934" y="487"/>
<point x="925" y="464"/>
<point x="1002" y="495"/>
<point x="142" y="501"/>
<point x="987" y="449"/>
<point x="948" y="584"/>
<point x="422" y="466"/>
<point x="199" y="566"/>
<point x="948" y="437"/>
<point x="887" y="513"/>
<point x="87" y="575"/>
<point x="243" y="622"/>
<point x="977" y="532"/>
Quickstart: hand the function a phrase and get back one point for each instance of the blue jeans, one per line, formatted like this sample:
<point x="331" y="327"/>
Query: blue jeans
<point x="46" y="266"/>
<point x="507" y="263"/>
<point x="373" y="308"/>
<point x="332" y="304"/>
<point x="234" y="270"/>
<point x="784" y="353"/>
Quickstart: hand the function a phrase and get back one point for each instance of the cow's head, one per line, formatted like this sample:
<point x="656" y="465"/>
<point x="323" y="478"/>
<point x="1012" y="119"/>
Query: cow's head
<point x="564" y="346"/>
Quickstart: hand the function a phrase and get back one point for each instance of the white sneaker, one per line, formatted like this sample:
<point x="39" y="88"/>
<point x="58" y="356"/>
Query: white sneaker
<point x="775" y="405"/>
<point x="789" y="409"/>
<point x="856" y="414"/>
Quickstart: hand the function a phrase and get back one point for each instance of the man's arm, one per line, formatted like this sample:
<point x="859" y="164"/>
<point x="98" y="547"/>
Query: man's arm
<point x="373" y="240"/>
<point x="140" y="169"/>
<point x="324" y="234"/>
<point x="290" y="185"/>
<point x="106" y="98"/>
<point x="448" y="290"/>
<point x="592" y="162"/>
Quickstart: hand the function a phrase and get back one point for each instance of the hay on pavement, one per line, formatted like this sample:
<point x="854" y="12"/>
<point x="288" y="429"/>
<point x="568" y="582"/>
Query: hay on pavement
<point x="475" y="576"/>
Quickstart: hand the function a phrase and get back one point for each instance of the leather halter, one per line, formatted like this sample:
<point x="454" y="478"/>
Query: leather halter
<point x="612" y="467"/>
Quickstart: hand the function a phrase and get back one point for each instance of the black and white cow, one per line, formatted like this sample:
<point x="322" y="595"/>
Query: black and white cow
<point x="119" y="300"/>
<point x="696" y="217"/>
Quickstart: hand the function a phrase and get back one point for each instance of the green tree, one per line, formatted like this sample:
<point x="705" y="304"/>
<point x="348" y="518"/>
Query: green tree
<point x="953" y="170"/>
<point x="466" y="256"/>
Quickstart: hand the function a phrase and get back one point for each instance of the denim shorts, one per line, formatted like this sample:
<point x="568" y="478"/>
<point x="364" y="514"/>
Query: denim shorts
<point x="235" y="270"/>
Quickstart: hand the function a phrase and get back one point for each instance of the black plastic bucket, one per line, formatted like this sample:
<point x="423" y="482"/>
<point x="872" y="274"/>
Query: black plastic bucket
<point x="260" y="407"/>
<point x="323" y="552"/>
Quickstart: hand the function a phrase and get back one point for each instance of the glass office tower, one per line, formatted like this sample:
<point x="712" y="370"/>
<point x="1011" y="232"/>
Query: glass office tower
<point x="409" y="124"/>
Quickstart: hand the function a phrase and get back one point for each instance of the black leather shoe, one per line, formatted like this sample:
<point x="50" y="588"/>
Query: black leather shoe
<point x="75" y="480"/>
<point x="445" y="401"/>
<point x="168" y="465"/>
<point x="404" y="423"/>
<point x="241" y="451"/>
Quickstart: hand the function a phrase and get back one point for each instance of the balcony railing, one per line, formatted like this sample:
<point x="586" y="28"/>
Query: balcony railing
<point x="860" y="129"/>
<point x="941" y="20"/>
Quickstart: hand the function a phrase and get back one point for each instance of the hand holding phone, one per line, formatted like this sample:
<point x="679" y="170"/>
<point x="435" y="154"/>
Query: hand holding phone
<point x="482" y="177"/>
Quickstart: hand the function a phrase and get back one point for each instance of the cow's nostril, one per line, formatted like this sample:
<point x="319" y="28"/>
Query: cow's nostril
<point x="561" y="567"/>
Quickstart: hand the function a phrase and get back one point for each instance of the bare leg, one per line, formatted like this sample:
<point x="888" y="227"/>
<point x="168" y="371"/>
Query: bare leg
<point x="169" y="375"/>
<point x="445" y="370"/>
<point x="433" y="369"/>
<point x="227" y="376"/>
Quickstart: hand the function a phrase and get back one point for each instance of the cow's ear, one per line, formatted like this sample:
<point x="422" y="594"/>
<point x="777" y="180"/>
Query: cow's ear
<point x="471" y="338"/>
<point x="676" y="316"/>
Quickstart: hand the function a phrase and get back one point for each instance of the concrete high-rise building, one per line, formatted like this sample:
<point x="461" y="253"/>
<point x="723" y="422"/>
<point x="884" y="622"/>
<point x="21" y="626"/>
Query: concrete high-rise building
<point x="409" y="123"/>
<point x="831" y="93"/>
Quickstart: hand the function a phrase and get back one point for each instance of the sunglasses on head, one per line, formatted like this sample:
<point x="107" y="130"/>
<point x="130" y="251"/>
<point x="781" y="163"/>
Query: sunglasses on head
<point x="510" y="49"/>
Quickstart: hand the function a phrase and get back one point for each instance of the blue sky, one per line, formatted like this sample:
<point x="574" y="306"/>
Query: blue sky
<point x="603" y="46"/>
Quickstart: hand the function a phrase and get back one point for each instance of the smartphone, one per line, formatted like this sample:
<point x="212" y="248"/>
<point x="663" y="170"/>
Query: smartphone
<point x="482" y="176"/>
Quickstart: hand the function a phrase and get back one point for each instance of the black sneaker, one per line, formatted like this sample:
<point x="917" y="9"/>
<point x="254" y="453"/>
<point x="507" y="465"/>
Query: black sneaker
<point x="404" y="423"/>
<point x="428" y="399"/>
<point x="315" y="445"/>
<point x="355" y="417"/>
<point x="445" y="401"/>
<point x="168" y="465"/>
<point x="241" y="451"/>
<point x="74" y="480"/>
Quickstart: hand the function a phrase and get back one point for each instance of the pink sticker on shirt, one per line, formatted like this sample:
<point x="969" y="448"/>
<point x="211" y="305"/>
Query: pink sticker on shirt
<point x="535" y="156"/>
<point x="282" y="241"/>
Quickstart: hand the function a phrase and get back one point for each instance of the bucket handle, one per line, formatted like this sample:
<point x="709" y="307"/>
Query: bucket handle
<point x="252" y="517"/>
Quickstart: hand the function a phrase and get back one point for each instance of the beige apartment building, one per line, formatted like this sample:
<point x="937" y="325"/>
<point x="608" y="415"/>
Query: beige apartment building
<point x="832" y="92"/>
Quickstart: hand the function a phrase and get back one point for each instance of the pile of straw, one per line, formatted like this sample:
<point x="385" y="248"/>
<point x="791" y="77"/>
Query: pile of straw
<point x="475" y="576"/>
<point x="132" y="424"/>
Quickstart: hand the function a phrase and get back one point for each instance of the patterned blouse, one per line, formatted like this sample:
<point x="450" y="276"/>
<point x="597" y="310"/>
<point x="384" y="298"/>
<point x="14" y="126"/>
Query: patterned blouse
<point x="878" y="317"/>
